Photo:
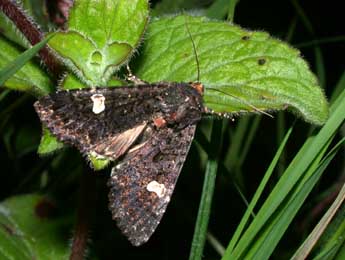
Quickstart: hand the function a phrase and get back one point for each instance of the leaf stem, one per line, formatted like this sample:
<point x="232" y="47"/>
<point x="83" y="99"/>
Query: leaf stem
<point x="87" y="200"/>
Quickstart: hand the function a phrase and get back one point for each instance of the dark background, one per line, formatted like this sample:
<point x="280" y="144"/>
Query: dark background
<point x="22" y="168"/>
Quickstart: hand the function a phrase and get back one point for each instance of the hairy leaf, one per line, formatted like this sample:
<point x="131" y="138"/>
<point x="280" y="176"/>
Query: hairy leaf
<point x="101" y="36"/>
<point x="242" y="71"/>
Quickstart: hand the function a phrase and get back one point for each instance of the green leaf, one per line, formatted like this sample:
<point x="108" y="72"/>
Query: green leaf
<point x="70" y="81"/>
<point x="242" y="71"/>
<point x="164" y="7"/>
<point x="19" y="73"/>
<point x="101" y="36"/>
<point x="219" y="9"/>
<point x="48" y="143"/>
<point x="8" y="29"/>
<point x="28" y="231"/>
<point x="98" y="163"/>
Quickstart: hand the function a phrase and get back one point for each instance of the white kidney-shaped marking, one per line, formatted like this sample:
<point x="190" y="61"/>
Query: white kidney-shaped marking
<point x="98" y="103"/>
<point x="157" y="188"/>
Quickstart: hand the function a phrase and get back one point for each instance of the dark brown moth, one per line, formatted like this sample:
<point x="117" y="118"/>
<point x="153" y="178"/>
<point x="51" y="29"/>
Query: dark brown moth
<point x="146" y="129"/>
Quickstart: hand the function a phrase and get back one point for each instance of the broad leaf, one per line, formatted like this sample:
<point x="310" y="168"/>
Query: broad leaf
<point x="242" y="71"/>
<point x="101" y="36"/>
<point x="30" y="229"/>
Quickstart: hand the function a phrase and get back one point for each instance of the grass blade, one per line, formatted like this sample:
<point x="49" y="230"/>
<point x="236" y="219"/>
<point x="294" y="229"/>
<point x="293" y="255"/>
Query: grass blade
<point x="293" y="175"/>
<point x="267" y="242"/>
<point x="314" y="236"/>
<point x="20" y="61"/>
<point x="200" y="232"/>
<point x="258" y="192"/>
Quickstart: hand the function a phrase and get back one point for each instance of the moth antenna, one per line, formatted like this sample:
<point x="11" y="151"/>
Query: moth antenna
<point x="194" y="49"/>
<point x="245" y="102"/>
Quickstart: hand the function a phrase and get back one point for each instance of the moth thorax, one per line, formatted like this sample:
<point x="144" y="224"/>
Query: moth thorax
<point x="198" y="87"/>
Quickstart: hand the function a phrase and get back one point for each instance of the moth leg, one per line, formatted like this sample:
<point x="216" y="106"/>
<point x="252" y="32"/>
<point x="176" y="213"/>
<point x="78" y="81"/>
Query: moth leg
<point x="132" y="78"/>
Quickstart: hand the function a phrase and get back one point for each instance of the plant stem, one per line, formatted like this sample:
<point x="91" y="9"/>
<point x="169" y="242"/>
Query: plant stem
<point x="87" y="200"/>
<point x="32" y="33"/>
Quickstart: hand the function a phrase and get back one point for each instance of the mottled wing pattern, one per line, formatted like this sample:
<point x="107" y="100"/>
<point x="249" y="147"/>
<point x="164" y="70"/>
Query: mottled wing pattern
<point x="141" y="186"/>
<point x="109" y="133"/>
<point x="148" y="128"/>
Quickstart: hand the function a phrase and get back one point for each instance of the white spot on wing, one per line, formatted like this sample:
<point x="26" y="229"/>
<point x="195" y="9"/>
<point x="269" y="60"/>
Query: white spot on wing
<point x="157" y="188"/>
<point x="98" y="103"/>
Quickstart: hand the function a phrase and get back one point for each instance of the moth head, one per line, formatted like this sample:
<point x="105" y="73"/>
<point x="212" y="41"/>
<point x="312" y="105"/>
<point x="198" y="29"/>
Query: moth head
<point x="183" y="104"/>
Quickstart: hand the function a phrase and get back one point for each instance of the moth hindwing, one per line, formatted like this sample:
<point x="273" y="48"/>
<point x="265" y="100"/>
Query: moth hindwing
<point x="147" y="129"/>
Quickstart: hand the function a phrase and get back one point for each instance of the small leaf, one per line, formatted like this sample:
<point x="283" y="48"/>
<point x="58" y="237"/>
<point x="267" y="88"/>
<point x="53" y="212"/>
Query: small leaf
<point x="18" y="72"/>
<point x="102" y="35"/>
<point x="71" y="82"/>
<point x="97" y="163"/>
<point x="30" y="229"/>
<point x="242" y="71"/>
<point x="48" y="143"/>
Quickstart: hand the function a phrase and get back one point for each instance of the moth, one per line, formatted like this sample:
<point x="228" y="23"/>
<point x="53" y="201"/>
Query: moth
<point x="147" y="130"/>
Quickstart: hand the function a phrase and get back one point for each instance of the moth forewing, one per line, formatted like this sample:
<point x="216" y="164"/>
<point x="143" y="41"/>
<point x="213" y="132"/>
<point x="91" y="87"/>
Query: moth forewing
<point x="147" y="128"/>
